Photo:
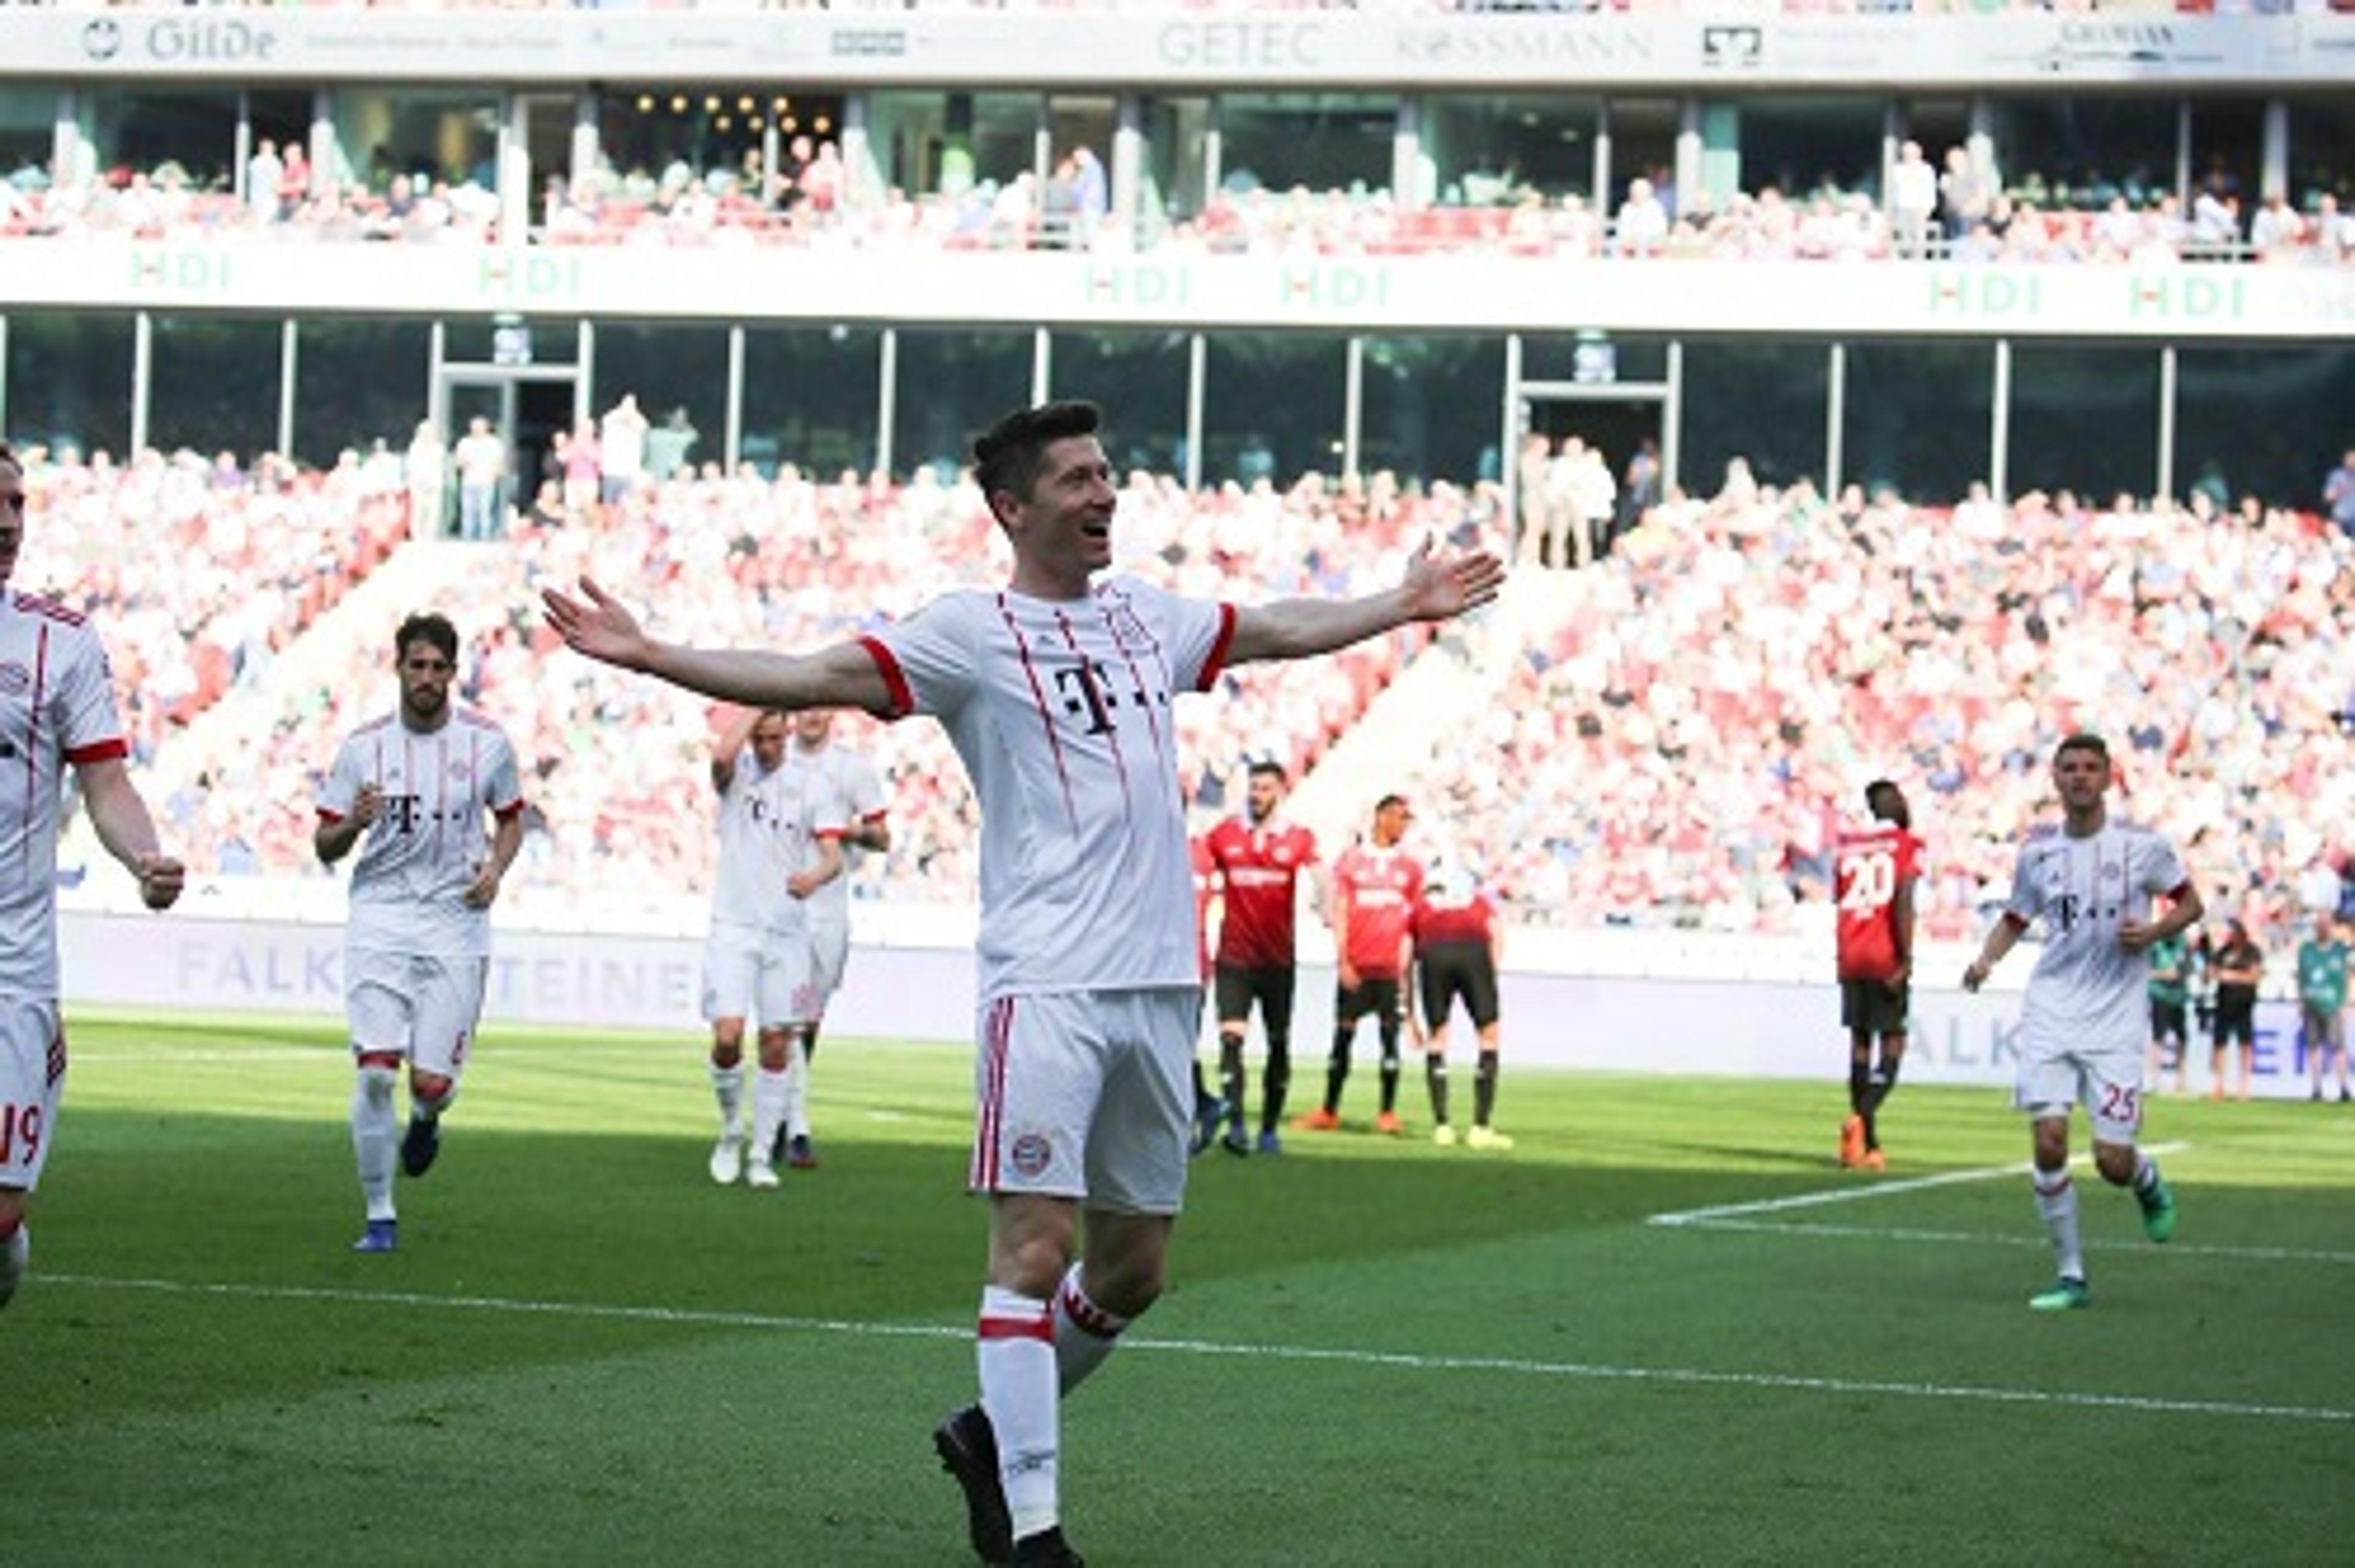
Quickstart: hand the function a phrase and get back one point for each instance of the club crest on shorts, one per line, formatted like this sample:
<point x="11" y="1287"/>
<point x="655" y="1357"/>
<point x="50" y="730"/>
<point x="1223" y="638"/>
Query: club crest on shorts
<point x="1031" y="1155"/>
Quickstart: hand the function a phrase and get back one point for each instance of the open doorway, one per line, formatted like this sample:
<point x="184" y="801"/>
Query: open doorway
<point x="527" y="408"/>
<point x="1587" y="441"/>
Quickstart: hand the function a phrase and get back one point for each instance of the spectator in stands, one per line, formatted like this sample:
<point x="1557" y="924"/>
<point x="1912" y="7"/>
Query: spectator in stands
<point x="622" y="450"/>
<point x="481" y="459"/>
<point x="1913" y="200"/>
<point x="1642" y="222"/>
<point x="2239" y="966"/>
<point x="668" y="444"/>
<point x="1966" y="195"/>
<point x="263" y="172"/>
<point x="2338" y="493"/>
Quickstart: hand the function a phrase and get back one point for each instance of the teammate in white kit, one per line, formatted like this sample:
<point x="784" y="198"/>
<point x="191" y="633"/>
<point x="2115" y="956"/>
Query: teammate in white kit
<point x="778" y="828"/>
<point x="1056" y="692"/>
<point x="417" y="783"/>
<point x="57" y="707"/>
<point x="857" y="795"/>
<point x="2091" y="880"/>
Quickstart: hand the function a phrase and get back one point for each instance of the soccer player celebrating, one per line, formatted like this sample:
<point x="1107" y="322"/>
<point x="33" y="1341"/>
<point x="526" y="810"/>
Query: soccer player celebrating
<point x="57" y="707"/>
<point x="1873" y="872"/>
<point x="1056" y="691"/>
<point x="2092" y="881"/>
<point x="416" y="784"/>
<point x="778" y="828"/>
<point x="1259" y="857"/>
<point x="1375" y="885"/>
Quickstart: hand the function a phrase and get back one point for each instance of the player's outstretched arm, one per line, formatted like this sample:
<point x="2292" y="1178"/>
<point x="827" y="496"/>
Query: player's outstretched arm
<point x="599" y="626"/>
<point x="1434" y="588"/>
<point x="128" y="831"/>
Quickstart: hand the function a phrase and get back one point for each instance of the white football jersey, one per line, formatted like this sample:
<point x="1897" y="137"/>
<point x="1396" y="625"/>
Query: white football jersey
<point x="57" y="707"/>
<point x="2083" y="889"/>
<point x="768" y="827"/>
<point x="423" y="852"/>
<point x="1061" y="710"/>
<point x="849" y="784"/>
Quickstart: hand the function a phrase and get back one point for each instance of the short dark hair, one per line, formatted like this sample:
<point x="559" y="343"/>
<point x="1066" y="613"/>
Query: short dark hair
<point x="1008" y="455"/>
<point x="426" y="626"/>
<point x="1270" y="767"/>
<point x="1887" y="802"/>
<point x="1389" y="800"/>
<point x="2083" y="740"/>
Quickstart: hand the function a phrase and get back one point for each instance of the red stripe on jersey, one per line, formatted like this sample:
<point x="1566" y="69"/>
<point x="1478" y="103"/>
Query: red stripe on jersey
<point x="1128" y="656"/>
<point x="1046" y="714"/>
<point x="100" y="751"/>
<point x="1216" y="665"/>
<point x="512" y="808"/>
<point x="48" y="609"/>
<point x="997" y="1026"/>
<point x="33" y="738"/>
<point x="1039" y="1327"/>
<point x="895" y="679"/>
<point x="330" y="817"/>
<point x="2014" y="920"/>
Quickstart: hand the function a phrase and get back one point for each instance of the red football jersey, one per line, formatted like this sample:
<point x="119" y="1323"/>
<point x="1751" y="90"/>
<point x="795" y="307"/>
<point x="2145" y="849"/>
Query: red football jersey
<point x="1868" y="865"/>
<point x="1439" y="916"/>
<point x="1259" y="873"/>
<point x="1377" y="889"/>
<point x="1206" y="888"/>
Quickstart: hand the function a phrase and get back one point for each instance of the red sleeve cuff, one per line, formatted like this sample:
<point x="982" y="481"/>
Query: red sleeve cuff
<point x="511" y="808"/>
<point x="895" y="679"/>
<point x="330" y="817"/>
<point x="1216" y="665"/>
<point x="105" y="750"/>
<point x="2013" y="921"/>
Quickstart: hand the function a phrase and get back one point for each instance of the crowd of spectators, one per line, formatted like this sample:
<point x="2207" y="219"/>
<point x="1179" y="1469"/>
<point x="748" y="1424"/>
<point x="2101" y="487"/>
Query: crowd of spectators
<point x="1953" y="211"/>
<point x="200" y="570"/>
<point x="1680" y="748"/>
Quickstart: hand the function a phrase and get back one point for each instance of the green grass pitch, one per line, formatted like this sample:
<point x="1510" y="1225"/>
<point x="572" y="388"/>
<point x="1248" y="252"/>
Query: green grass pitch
<point x="1374" y="1351"/>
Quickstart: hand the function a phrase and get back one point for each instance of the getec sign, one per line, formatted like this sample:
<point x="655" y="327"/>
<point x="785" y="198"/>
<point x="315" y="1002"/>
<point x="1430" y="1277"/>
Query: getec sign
<point x="172" y="40"/>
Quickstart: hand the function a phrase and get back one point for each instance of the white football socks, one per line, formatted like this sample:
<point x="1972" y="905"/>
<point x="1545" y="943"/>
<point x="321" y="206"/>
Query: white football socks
<point x="374" y="1138"/>
<point x="1018" y="1391"/>
<point x="768" y="1112"/>
<point x="797" y="1074"/>
<point x="728" y="1088"/>
<point x="1084" y="1332"/>
<point x="2056" y="1200"/>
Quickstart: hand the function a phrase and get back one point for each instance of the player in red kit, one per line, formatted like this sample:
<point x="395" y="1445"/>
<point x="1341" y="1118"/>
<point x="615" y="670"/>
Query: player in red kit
<point x="1873" y="872"/>
<point x="1259" y="859"/>
<point x="1457" y="947"/>
<point x="1375" y="885"/>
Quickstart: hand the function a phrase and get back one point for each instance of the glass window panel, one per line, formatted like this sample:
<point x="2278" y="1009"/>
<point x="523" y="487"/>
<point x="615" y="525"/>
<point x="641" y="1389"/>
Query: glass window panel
<point x="2081" y="150"/>
<point x="213" y="385"/>
<point x="810" y="397"/>
<point x="657" y="133"/>
<point x="69" y="380"/>
<point x="143" y="129"/>
<point x="1593" y="358"/>
<point x="1808" y="144"/>
<point x="1763" y="401"/>
<point x="1324" y="141"/>
<point x="1139" y="378"/>
<point x="1918" y="418"/>
<point x="2322" y="149"/>
<point x="2228" y="139"/>
<point x="434" y="134"/>
<point x="2083" y="419"/>
<point x="356" y="381"/>
<point x="2269" y="422"/>
<point x="1175" y="159"/>
<point x="1273" y="406"/>
<point x="1479" y="150"/>
<point x="952" y="385"/>
<point x="932" y="144"/>
<point x="29" y="128"/>
<point x="1433" y="408"/>
<point x="492" y="339"/>
<point x="1644" y="146"/>
<point x="669" y="367"/>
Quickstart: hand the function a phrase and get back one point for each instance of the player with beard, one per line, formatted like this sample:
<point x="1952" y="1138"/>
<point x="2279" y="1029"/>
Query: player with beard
<point x="1259" y="857"/>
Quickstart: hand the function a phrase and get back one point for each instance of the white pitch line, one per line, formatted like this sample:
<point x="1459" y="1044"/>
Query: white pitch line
<point x="1904" y="1233"/>
<point x="1857" y="1191"/>
<point x="1405" y="1361"/>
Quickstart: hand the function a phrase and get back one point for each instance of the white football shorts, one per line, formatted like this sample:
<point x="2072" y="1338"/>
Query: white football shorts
<point x="764" y="975"/>
<point x="2060" y="1068"/>
<point x="422" y="1008"/>
<point x="1087" y="1095"/>
<point x="829" y="956"/>
<point x="32" y="1081"/>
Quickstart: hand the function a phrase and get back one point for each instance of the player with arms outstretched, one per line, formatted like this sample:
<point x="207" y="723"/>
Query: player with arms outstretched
<point x="1874" y="869"/>
<point x="1056" y="692"/>
<point x="57" y="709"/>
<point x="2091" y="882"/>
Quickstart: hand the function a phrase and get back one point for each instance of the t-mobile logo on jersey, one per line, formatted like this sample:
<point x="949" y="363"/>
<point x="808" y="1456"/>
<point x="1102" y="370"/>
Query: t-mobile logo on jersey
<point x="2065" y="912"/>
<point x="401" y="811"/>
<point x="1087" y="691"/>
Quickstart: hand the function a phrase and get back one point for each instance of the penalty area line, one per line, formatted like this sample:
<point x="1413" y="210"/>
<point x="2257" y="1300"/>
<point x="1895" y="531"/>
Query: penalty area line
<point x="1855" y="1192"/>
<point x="1991" y="1239"/>
<point x="1336" y="1355"/>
